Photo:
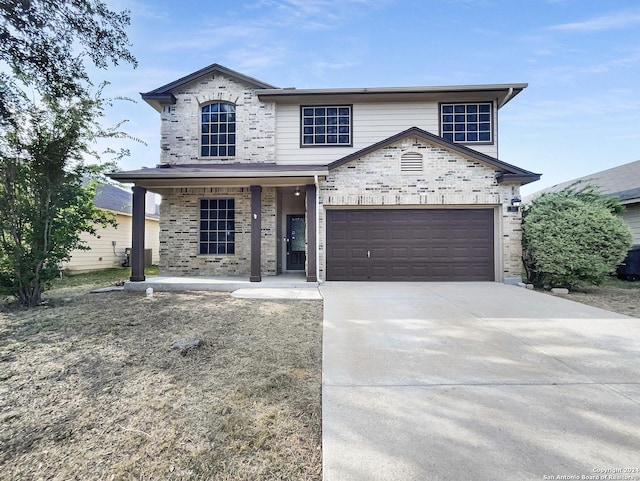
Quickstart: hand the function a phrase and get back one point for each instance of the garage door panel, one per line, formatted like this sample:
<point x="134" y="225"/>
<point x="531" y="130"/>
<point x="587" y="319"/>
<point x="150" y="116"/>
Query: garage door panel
<point x="399" y="253"/>
<point x="399" y="234"/>
<point x="379" y="234"/>
<point x="418" y="252"/>
<point x="410" y="244"/>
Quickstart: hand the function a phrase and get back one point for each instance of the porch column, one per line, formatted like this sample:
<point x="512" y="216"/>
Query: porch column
<point x="137" y="234"/>
<point x="312" y="250"/>
<point x="256" y="232"/>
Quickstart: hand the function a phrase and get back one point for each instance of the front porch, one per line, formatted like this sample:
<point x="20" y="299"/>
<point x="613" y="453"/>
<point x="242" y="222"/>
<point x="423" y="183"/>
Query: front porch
<point x="242" y="223"/>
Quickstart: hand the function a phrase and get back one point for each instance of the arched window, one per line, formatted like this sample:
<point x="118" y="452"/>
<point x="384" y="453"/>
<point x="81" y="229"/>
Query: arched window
<point x="218" y="130"/>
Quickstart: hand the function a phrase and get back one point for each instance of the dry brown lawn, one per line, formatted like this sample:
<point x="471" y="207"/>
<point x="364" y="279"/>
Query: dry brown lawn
<point x="89" y="389"/>
<point x="614" y="295"/>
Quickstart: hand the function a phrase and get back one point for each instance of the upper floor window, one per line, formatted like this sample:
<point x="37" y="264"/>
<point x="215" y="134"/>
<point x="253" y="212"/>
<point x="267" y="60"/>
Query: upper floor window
<point x="218" y="130"/>
<point x="326" y="125"/>
<point x="468" y="122"/>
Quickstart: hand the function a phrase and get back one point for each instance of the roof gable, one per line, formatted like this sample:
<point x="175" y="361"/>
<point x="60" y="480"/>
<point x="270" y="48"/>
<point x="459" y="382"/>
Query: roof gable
<point x="164" y="94"/>
<point x="507" y="172"/>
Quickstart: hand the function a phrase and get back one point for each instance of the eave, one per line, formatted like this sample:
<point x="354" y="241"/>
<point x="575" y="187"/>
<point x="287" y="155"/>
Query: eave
<point x="625" y="197"/>
<point x="218" y="175"/>
<point x="502" y="92"/>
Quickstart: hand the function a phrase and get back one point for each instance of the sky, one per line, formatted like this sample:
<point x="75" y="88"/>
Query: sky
<point x="581" y="58"/>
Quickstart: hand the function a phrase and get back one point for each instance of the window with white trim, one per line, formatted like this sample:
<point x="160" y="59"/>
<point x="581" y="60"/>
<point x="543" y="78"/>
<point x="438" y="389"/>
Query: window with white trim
<point x="217" y="226"/>
<point x="467" y="122"/>
<point x="218" y="130"/>
<point x="326" y="125"/>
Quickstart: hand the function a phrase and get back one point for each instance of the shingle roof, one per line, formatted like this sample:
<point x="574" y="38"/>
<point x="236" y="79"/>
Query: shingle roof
<point x="622" y="182"/>
<point x="165" y="94"/>
<point x="114" y="198"/>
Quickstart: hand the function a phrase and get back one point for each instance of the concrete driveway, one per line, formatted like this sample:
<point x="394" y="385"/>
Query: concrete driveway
<point x="476" y="381"/>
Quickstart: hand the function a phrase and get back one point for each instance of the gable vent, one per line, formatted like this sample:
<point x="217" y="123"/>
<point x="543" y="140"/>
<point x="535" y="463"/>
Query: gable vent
<point x="411" y="162"/>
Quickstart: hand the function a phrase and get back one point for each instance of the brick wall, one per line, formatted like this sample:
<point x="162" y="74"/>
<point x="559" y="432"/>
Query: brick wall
<point x="180" y="123"/>
<point x="179" y="233"/>
<point x="448" y="179"/>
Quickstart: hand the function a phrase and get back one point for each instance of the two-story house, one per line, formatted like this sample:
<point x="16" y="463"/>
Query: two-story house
<point x="399" y="183"/>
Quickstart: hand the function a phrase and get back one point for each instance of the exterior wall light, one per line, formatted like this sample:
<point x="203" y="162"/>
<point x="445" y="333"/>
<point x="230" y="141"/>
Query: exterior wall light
<point x="297" y="192"/>
<point x="515" y="205"/>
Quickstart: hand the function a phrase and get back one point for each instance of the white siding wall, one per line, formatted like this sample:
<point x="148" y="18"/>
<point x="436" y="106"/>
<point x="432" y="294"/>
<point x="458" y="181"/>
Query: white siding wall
<point x="372" y="122"/>
<point x="632" y="217"/>
<point x="104" y="254"/>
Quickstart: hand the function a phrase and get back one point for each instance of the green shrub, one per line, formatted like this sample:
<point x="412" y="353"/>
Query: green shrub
<point x="572" y="237"/>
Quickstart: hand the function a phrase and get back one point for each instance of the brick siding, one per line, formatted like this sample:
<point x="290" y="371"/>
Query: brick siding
<point x="179" y="233"/>
<point x="180" y="123"/>
<point x="448" y="179"/>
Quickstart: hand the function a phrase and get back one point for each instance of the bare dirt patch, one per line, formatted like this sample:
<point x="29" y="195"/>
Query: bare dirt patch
<point x="89" y="388"/>
<point x="622" y="297"/>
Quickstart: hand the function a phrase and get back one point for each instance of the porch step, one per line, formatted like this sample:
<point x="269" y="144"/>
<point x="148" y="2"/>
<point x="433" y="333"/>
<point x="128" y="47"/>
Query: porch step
<point x="225" y="284"/>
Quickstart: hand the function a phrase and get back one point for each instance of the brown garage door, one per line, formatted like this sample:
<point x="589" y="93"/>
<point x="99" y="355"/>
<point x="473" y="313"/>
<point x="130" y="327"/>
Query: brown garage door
<point x="410" y="245"/>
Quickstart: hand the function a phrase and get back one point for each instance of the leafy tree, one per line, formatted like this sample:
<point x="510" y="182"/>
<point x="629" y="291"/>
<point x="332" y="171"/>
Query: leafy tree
<point x="573" y="237"/>
<point x="44" y="205"/>
<point x="45" y="45"/>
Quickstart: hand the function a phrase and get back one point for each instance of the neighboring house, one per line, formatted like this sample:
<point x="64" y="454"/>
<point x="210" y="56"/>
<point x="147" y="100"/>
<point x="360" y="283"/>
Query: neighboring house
<point x="622" y="182"/>
<point x="108" y="248"/>
<point x="397" y="183"/>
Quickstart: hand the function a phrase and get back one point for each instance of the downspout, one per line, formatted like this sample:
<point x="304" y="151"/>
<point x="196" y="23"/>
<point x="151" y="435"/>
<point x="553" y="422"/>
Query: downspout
<point x="315" y="181"/>
<point x="507" y="98"/>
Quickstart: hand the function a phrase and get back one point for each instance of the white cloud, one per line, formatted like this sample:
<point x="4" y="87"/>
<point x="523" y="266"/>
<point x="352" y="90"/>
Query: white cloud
<point x="210" y="38"/>
<point x="606" y="22"/>
<point x="251" y="60"/>
<point x="140" y="9"/>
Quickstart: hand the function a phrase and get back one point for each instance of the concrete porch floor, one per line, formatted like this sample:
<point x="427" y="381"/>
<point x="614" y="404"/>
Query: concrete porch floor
<point x="287" y="280"/>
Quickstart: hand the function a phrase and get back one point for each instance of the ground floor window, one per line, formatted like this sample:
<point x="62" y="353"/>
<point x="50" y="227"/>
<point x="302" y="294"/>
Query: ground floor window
<point x="217" y="226"/>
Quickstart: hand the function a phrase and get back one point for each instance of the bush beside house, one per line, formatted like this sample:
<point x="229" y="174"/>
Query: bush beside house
<point x="573" y="237"/>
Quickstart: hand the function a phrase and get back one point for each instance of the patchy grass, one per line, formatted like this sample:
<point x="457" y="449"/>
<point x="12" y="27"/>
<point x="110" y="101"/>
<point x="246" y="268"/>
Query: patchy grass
<point x="614" y="295"/>
<point x="89" y="280"/>
<point x="104" y="277"/>
<point x="90" y="390"/>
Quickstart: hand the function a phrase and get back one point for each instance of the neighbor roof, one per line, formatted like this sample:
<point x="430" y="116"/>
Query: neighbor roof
<point x="114" y="198"/>
<point x="622" y="182"/>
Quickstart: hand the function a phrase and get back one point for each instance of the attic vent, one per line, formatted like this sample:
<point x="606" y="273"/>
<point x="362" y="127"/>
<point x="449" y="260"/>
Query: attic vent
<point x="411" y="162"/>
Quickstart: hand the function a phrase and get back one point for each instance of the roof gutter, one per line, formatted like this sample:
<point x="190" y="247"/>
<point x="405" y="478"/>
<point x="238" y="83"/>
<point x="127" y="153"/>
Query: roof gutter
<point x="507" y="97"/>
